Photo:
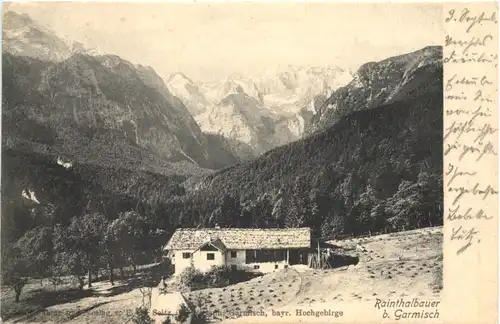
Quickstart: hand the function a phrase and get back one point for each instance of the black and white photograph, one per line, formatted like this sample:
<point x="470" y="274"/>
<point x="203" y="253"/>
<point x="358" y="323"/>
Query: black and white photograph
<point x="221" y="162"/>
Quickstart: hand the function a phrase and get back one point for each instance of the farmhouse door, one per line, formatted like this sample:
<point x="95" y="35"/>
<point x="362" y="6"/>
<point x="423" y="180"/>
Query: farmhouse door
<point x="296" y="257"/>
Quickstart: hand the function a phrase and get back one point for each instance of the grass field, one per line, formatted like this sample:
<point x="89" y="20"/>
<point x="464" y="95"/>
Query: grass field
<point x="404" y="264"/>
<point x="275" y="289"/>
<point x="400" y="265"/>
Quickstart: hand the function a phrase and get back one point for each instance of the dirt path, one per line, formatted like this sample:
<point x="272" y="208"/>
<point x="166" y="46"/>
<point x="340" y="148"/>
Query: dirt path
<point x="402" y="265"/>
<point x="101" y="307"/>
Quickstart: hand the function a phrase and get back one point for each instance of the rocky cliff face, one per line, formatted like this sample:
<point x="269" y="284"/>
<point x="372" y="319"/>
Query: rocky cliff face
<point x="84" y="96"/>
<point x="22" y="36"/>
<point x="244" y="121"/>
<point x="378" y="83"/>
<point x="188" y="92"/>
<point x="258" y="112"/>
<point x="384" y="165"/>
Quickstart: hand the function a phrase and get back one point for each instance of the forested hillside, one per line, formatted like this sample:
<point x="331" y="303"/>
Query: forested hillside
<point x="100" y="164"/>
<point x="379" y="169"/>
<point x="103" y="105"/>
<point x="373" y="170"/>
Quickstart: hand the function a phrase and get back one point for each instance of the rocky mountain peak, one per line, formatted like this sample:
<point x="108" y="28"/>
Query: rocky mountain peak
<point x="378" y="83"/>
<point x="180" y="79"/>
<point x="21" y="35"/>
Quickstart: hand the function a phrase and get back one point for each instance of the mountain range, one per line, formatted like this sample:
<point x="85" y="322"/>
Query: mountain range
<point x="239" y="117"/>
<point x="372" y="160"/>
<point x="261" y="111"/>
<point x="97" y="106"/>
<point x="328" y="148"/>
<point x="376" y="169"/>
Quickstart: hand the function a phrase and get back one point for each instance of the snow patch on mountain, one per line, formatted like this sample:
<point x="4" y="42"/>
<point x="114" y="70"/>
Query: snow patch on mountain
<point x="261" y="110"/>
<point x="188" y="92"/>
<point x="30" y="195"/>
<point x="64" y="164"/>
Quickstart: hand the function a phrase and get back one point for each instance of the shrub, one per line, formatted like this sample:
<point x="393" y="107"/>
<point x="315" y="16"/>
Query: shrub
<point x="183" y="314"/>
<point x="218" y="275"/>
<point x="190" y="277"/>
<point x="199" y="316"/>
<point x="141" y="316"/>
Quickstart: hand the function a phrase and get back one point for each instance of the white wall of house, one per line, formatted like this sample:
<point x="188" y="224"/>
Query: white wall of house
<point x="200" y="260"/>
<point x="239" y="260"/>
<point x="266" y="267"/>
<point x="202" y="263"/>
<point x="179" y="262"/>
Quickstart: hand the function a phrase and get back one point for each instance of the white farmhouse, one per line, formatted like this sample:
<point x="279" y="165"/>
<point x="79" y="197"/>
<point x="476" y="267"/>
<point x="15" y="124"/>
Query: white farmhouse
<point x="255" y="249"/>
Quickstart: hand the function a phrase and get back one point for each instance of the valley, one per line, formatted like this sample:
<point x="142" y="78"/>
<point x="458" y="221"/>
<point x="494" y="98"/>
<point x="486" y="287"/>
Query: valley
<point x="104" y="158"/>
<point x="403" y="265"/>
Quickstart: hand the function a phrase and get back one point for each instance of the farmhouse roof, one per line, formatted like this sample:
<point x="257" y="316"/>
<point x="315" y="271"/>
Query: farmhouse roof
<point x="241" y="238"/>
<point x="217" y="243"/>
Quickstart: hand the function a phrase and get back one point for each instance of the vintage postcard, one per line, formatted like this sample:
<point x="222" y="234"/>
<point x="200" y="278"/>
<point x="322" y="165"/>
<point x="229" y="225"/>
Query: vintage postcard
<point x="249" y="162"/>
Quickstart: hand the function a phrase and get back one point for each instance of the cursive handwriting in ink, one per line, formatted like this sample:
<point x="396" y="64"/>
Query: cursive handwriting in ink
<point x="466" y="17"/>
<point x="470" y="103"/>
<point x="485" y="131"/>
<point x="476" y="190"/>
<point x="467" y="44"/>
<point x="464" y="234"/>
<point x="454" y="171"/>
<point x="460" y="80"/>
<point x="485" y="150"/>
<point x="455" y="214"/>
<point x="460" y="128"/>
<point x="475" y="57"/>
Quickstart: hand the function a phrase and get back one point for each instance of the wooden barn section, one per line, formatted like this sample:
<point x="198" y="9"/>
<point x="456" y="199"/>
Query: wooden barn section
<point x="324" y="255"/>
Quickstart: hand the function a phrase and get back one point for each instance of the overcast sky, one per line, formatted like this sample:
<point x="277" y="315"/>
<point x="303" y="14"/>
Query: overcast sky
<point x="208" y="41"/>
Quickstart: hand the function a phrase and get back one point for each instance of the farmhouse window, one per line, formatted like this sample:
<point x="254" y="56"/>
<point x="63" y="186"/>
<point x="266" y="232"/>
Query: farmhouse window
<point x="210" y="256"/>
<point x="275" y="266"/>
<point x="186" y="255"/>
<point x="254" y="256"/>
<point x="256" y="267"/>
<point x="233" y="254"/>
